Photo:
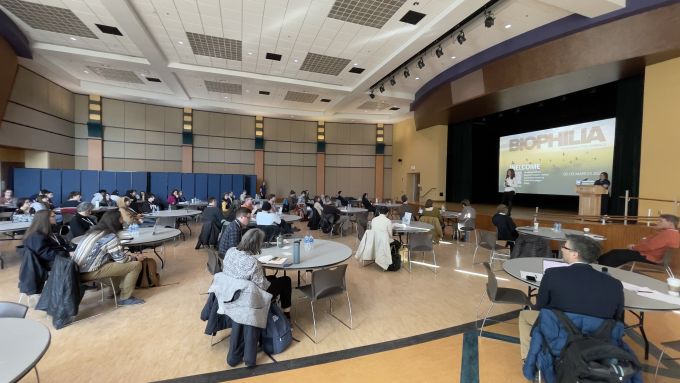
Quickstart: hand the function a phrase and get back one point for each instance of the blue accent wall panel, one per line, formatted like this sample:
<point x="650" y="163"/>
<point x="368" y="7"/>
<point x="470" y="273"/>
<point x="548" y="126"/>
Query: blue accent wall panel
<point x="26" y="182"/>
<point x="174" y="182"/>
<point x="139" y="181"/>
<point x="214" y="186"/>
<point x="188" y="186"/>
<point x="252" y="185"/>
<point x="70" y="181"/>
<point x="238" y="184"/>
<point x="89" y="183"/>
<point x="123" y="182"/>
<point x="50" y="179"/>
<point x="107" y="180"/>
<point x="159" y="185"/>
<point x="225" y="185"/>
<point x="201" y="187"/>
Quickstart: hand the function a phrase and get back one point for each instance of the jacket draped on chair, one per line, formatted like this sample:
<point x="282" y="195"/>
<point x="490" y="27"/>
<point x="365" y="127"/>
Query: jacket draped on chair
<point x="375" y="246"/>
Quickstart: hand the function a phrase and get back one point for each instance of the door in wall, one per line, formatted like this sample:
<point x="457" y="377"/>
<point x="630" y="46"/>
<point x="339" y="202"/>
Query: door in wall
<point x="6" y="173"/>
<point x="413" y="187"/>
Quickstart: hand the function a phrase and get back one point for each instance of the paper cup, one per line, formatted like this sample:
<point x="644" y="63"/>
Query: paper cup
<point x="586" y="230"/>
<point x="673" y="286"/>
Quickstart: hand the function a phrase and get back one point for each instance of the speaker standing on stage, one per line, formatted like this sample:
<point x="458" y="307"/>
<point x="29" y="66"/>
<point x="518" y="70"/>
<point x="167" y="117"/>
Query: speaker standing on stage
<point x="509" y="191"/>
<point x="604" y="202"/>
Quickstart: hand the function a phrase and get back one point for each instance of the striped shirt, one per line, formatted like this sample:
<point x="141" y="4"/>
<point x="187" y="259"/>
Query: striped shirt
<point x="99" y="248"/>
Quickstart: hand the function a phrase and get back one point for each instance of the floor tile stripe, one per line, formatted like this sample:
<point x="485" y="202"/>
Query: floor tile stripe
<point x="469" y="371"/>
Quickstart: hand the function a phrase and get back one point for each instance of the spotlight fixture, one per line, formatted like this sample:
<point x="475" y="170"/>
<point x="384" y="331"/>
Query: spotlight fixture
<point x="393" y="82"/>
<point x="461" y="38"/>
<point x="421" y="63"/>
<point x="371" y="95"/>
<point x="489" y="19"/>
<point x="406" y="73"/>
<point x="439" y="51"/>
<point x="382" y="88"/>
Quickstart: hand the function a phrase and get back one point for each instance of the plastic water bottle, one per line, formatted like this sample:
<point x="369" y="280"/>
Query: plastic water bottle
<point x="279" y="241"/>
<point x="135" y="230"/>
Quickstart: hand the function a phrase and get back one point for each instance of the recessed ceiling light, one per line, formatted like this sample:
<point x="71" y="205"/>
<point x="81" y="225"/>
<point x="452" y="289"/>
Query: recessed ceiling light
<point x="247" y="90"/>
<point x="507" y="26"/>
<point x="180" y="42"/>
<point x="250" y="53"/>
<point x="86" y="72"/>
<point x="417" y="78"/>
<point x="226" y="97"/>
<point x="356" y="64"/>
<point x="453" y="57"/>
<point x="73" y="38"/>
<point x="142" y="74"/>
<point x="296" y="60"/>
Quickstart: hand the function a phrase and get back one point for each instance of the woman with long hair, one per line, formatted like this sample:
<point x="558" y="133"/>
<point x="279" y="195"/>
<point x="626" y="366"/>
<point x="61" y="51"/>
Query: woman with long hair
<point x="101" y="255"/>
<point x="226" y="203"/>
<point x="129" y="215"/>
<point x="509" y="189"/>
<point x="42" y="241"/>
<point x="241" y="262"/>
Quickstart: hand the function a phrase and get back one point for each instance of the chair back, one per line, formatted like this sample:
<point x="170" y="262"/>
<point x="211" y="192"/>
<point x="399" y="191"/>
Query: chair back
<point x="166" y="222"/>
<point x="667" y="255"/>
<point x="12" y="310"/>
<point x="491" y="283"/>
<point x="420" y="241"/>
<point x="328" y="282"/>
<point x="214" y="261"/>
<point x="487" y="239"/>
<point x="6" y="216"/>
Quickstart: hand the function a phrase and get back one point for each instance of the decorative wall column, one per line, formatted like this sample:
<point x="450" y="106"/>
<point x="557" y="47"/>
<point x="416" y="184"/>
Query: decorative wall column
<point x="95" y="134"/>
<point x="379" y="161"/>
<point x="259" y="150"/>
<point x="188" y="141"/>
<point x="320" y="158"/>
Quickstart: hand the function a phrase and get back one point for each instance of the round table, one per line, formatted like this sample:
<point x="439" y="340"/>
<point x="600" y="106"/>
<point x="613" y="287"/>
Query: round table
<point x="633" y="301"/>
<point x="23" y="343"/>
<point x="413" y="227"/>
<point x="197" y="204"/>
<point x="549" y="233"/>
<point x="352" y="210"/>
<point x="325" y="253"/>
<point x="147" y="237"/>
<point x="179" y="213"/>
<point x="290" y="217"/>
<point x="11" y="227"/>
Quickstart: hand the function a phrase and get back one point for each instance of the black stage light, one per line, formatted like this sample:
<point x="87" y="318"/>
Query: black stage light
<point x="489" y="19"/>
<point x="461" y="38"/>
<point x="382" y="88"/>
<point x="439" y="51"/>
<point x="406" y="73"/>
<point x="371" y="95"/>
<point x="421" y="63"/>
<point x="393" y="82"/>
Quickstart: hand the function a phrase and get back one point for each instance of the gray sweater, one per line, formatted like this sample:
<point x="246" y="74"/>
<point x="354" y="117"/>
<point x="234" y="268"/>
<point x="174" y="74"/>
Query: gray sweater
<point x="250" y="308"/>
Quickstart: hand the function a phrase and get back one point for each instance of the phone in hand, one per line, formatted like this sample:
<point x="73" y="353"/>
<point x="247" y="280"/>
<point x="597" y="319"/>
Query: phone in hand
<point x="531" y="278"/>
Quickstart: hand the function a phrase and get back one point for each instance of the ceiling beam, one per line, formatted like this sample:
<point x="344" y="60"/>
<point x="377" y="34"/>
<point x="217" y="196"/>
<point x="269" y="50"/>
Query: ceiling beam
<point x="134" y="28"/>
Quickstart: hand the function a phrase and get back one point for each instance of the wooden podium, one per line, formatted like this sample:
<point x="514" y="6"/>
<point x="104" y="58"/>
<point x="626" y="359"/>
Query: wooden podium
<point x="589" y="198"/>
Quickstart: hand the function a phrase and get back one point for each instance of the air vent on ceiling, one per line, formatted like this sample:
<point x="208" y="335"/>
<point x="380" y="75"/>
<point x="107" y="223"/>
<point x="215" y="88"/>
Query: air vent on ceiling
<point x="48" y="18"/>
<point x="324" y="64"/>
<point x="371" y="13"/>
<point x="356" y="69"/>
<point x="223" y="87"/>
<point x="153" y="79"/>
<point x="109" y="29"/>
<point x="394" y="108"/>
<point x="273" y="56"/>
<point x="307" y="98"/>
<point x="412" y="17"/>
<point x="264" y="92"/>
<point x="213" y="46"/>
<point x="325" y="100"/>
<point x="118" y="75"/>
<point x="374" y="105"/>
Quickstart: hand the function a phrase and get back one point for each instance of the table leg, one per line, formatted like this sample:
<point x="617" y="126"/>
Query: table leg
<point x="641" y="326"/>
<point x="159" y="257"/>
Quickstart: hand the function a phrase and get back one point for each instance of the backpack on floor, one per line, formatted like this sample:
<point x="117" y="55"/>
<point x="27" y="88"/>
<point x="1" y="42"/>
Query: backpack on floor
<point x="593" y="357"/>
<point x="148" y="277"/>
<point x="396" y="256"/>
<point x="277" y="336"/>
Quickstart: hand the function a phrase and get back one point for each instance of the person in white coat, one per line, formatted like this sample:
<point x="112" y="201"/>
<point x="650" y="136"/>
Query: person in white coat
<point x="375" y="244"/>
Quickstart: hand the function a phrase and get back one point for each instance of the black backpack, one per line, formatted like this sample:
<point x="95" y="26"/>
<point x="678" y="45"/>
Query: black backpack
<point x="396" y="257"/>
<point x="277" y="336"/>
<point x="593" y="358"/>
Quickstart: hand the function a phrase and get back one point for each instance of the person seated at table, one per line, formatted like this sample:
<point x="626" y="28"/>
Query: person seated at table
<point x="40" y="203"/>
<point x="381" y="222"/>
<point x="234" y="231"/>
<point x="318" y="204"/>
<point x="180" y="196"/>
<point x="73" y="200"/>
<point x="8" y="199"/>
<point x="241" y="262"/>
<point x="343" y="201"/>
<point x="128" y="215"/>
<point x="100" y="255"/>
<point x="577" y="289"/>
<point x="243" y="196"/>
<point x="248" y="203"/>
<point x="42" y="241"/>
<point x="49" y="198"/>
<point x="212" y="213"/>
<point x="430" y="211"/>
<point x="505" y="226"/>
<point x="467" y="217"/>
<point x="367" y="203"/>
<point x="331" y="213"/>
<point x="266" y="217"/>
<point x="225" y="204"/>
<point x="405" y="207"/>
<point x="173" y="198"/>
<point x="650" y="249"/>
<point x="132" y="195"/>
<point x="114" y="196"/>
<point x="24" y="207"/>
<point x="99" y="197"/>
<point x="83" y="221"/>
<point x="149" y="206"/>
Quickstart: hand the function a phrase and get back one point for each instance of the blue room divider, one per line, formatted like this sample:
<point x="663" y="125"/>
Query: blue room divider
<point x="89" y="183"/>
<point x="140" y="181"/>
<point x="50" y="179"/>
<point x="214" y="186"/>
<point x="159" y="185"/>
<point x="70" y="181"/>
<point x="174" y="182"/>
<point x="123" y="182"/>
<point x="26" y="182"/>
<point x="188" y="185"/>
<point x="201" y="186"/>
<point x="225" y="185"/>
<point x="107" y="180"/>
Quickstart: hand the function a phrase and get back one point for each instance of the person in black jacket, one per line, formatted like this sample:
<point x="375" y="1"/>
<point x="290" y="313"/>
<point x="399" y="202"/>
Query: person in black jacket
<point x="73" y="199"/>
<point x="83" y="220"/>
<point x="505" y="226"/>
<point x="149" y="206"/>
<point x="212" y="213"/>
<point x="367" y="204"/>
<point x="42" y="241"/>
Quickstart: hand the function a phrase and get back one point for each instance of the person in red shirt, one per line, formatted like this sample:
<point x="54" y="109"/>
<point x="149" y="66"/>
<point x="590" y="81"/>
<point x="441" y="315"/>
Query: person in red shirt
<point x="650" y="249"/>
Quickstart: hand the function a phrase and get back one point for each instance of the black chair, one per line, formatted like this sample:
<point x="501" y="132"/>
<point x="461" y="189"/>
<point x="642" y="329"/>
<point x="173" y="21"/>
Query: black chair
<point x="500" y="295"/>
